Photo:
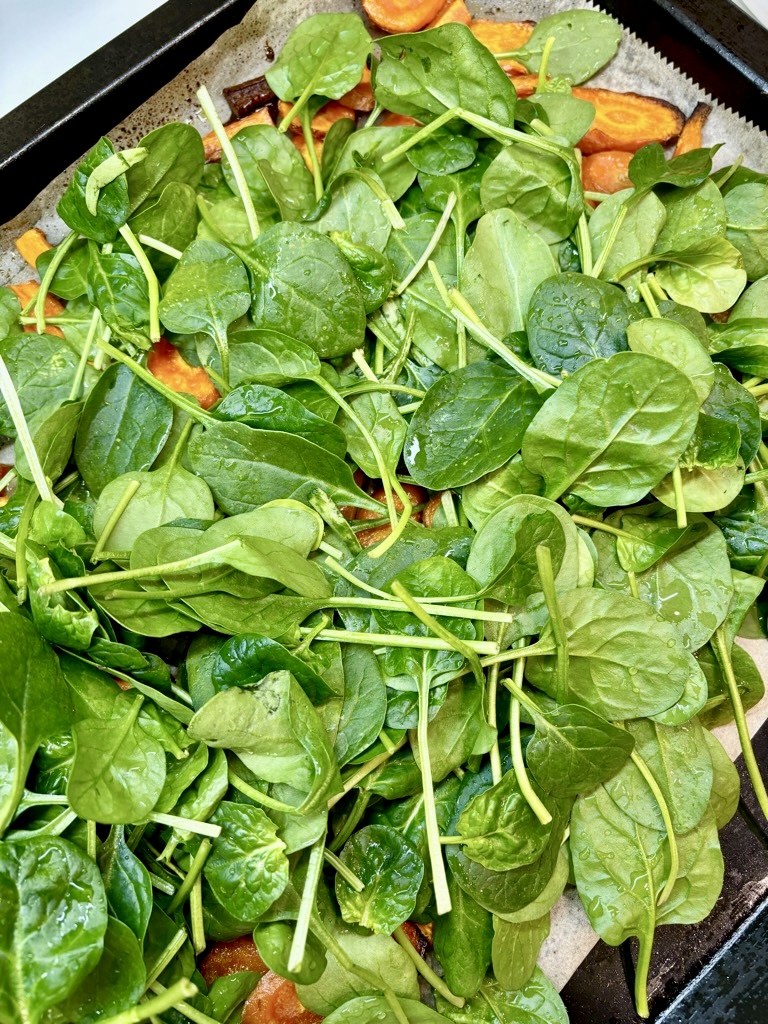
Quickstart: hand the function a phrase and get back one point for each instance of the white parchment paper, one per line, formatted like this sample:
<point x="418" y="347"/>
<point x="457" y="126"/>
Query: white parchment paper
<point x="242" y="53"/>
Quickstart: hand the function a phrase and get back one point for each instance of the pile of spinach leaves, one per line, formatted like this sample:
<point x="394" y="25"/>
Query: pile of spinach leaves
<point x="219" y="714"/>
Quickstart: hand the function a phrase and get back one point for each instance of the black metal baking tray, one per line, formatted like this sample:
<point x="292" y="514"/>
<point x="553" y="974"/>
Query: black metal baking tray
<point x="712" y="973"/>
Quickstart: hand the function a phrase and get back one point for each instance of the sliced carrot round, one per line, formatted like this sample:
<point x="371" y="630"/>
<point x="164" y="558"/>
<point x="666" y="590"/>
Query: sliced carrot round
<point x="230" y="958"/>
<point x="607" y="171"/>
<point x="274" y="1001"/>
<point x="402" y="15"/>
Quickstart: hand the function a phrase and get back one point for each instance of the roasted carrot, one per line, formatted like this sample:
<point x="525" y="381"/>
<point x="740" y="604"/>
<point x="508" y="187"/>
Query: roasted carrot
<point x="453" y="11"/>
<point x="230" y="957"/>
<point x="431" y="508"/>
<point x="167" y="364"/>
<point x="211" y="143"/>
<point x="274" y="1001"/>
<point x="419" y="938"/>
<point x="3" y="492"/>
<point x="368" y="538"/>
<point x="690" y="136"/>
<point x="628" y="121"/>
<point x="501" y="36"/>
<point x="53" y="307"/>
<point x="301" y="145"/>
<point x="402" y="15"/>
<point x="525" y="85"/>
<point x="391" y="120"/>
<point x="322" y="120"/>
<point x="31" y="244"/>
<point x="361" y="97"/>
<point x="606" y="171"/>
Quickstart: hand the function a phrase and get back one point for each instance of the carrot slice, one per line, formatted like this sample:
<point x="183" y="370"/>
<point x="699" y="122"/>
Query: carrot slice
<point x="431" y="509"/>
<point x="323" y="119"/>
<point x="525" y="85"/>
<point x="31" y="244"/>
<point x="53" y="307"/>
<point x="230" y="957"/>
<point x="628" y="121"/>
<point x="211" y="143"/>
<point x="402" y="15"/>
<point x="453" y="11"/>
<point x="606" y="171"/>
<point x="274" y="1001"/>
<point x="368" y="538"/>
<point x="300" y="144"/>
<point x="391" y="120"/>
<point x="500" y="36"/>
<point x="167" y="364"/>
<point x="690" y="136"/>
<point x="361" y="97"/>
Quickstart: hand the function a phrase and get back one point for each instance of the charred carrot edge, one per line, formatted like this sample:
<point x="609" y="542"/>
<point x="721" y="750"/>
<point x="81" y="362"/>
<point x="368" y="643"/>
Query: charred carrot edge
<point x="211" y="143"/>
<point x="628" y="120"/>
<point x="690" y="136"/>
<point x="402" y="15"/>
<point x="322" y="120"/>
<point x="167" y="364"/>
<point x="452" y="11"/>
<point x="606" y="171"/>
<point x="361" y="97"/>
<point x="31" y="245"/>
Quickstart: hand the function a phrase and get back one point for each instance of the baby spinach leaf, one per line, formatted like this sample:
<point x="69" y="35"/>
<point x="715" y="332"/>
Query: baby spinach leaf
<point x="574" y="319"/>
<point x="112" y="207"/>
<point x="116" y="983"/>
<point x="391" y="871"/>
<point x="726" y="783"/>
<point x="470" y="422"/>
<point x="365" y="703"/>
<point x="365" y="150"/>
<point x="274" y="942"/>
<point x="60" y="618"/>
<point x="53" y="432"/>
<point x="357" y="212"/>
<point x="444" y="152"/>
<point x="69" y="281"/>
<point x="373" y="270"/>
<point x="536" y="1003"/>
<point x="247" y="868"/>
<point x="569" y="117"/>
<point x="41" y="367"/>
<point x="674" y="343"/>
<point x="53" y="926"/>
<point x="704" y="489"/>
<point x="174" y="156"/>
<point x="483" y="497"/>
<point x="700" y="876"/>
<point x="718" y="709"/>
<point x="376" y="1010"/>
<point x="516" y="949"/>
<point x="119" y="768"/>
<point x="462" y="940"/>
<point x="124" y="426"/>
<point x="384" y="422"/>
<point x="584" y="42"/>
<point x="126" y="883"/>
<point x="117" y="286"/>
<point x="692" y="215"/>
<point x="304" y="287"/>
<point x="502" y="269"/>
<point x="573" y="749"/>
<point x="648" y="413"/>
<point x="262" y="143"/>
<point x="170" y="218"/>
<point x="249" y="657"/>
<point x="729" y="401"/>
<point x="708" y="276"/>
<point x="746" y="208"/>
<point x="643" y="219"/>
<point x="742" y="344"/>
<point x="246" y="468"/>
<point x="426" y="73"/>
<point x="649" y="167"/>
<point x="269" y="357"/>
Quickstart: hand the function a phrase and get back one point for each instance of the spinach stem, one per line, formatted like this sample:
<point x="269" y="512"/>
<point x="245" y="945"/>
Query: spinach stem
<point x="649" y="299"/>
<point x="155" y="243"/>
<point x="420" y="135"/>
<point x="341" y="868"/>
<point x="723" y="653"/>
<point x="361" y="773"/>
<point x="367" y="387"/>
<point x="374" y="184"/>
<point x="674" y="855"/>
<point x="596" y="524"/>
<point x="656" y="289"/>
<point x="547" y="576"/>
<point x="122" y="504"/>
<point x="439" y="877"/>
<point x="166" y="999"/>
<point x="183" y="1007"/>
<point x="584" y="245"/>
<point x="449" y="509"/>
<point x="634" y="589"/>
<point x="305" y="119"/>
<point x="42" y="292"/>
<point x="296" y="108"/>
<point x="424" y="643"/>
<point x="425" y="970"/>
<point x="90" y="838"/>
<point x="758" y="390"/>
<point x="191" y="876"/>
<point x="364" y="367"/>
<point x="354" y="817"/>
<point x="77" y="381"/>
<point x="543" y="62"/>
<point x="227" y="149"/>
<point x="433" y="243"/>
<point x="518" y="697"/>
<point x="677" y="484"/>
<point x="203" y="828"/>
<point x="644" y="950"/>
<point x="8" y="391"/>
<point x="22" y="532"/>
<point x="152" y="283"/>
<point x="166" y="956"/>
<point x="373" y="116"/>
<point x="256" y="795"/>
<point x="395" y="368"/>
<point x="308" y="897"/>
<point x="337" y="950"/>
<point x="729" y="171"/>
<point x="196" y="919"/>
<point x="597" y="197"/>
<point x="605" y="252"/>
<point x="491" y="694"/>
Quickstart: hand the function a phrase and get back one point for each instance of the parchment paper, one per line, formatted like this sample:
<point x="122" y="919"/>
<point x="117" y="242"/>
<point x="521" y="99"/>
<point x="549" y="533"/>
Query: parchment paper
<point x="241" y="53"/>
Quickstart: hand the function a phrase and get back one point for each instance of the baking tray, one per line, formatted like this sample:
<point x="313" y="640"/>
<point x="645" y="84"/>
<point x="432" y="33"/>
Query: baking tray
<point x="723" y="50"/>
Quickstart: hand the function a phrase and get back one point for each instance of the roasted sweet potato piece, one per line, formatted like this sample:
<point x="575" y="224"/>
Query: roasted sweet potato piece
<point x="53" y="307"/>
<point x="274" y="1001"/>
<point x="300" y="144"/>
<point x="230" y="957"/>
<point x="167" y="364"/>
<point x="368" y="538"/>
<point x="391" y="120"/>
<point x="211" y="143"/>
<point x="323" y="119"/>
<point x="628" y="121"/>
<point x="690" y="136"/>
<point x="453" y="11"/>
<point x="606" y="171"/>
<point x="402" y="15"/>
<point x="501" y="36"/>
<point x="31" y="244"/>
<point x="245" y="97"/>
<point x="361" y="97"/>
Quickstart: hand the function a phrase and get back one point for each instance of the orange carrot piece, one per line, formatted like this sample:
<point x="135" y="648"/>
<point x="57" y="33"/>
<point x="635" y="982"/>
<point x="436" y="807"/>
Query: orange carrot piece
<point x="690" y="136"/>
<point x="525" y="85"/>
<point x="53" y="307"/>
<point x="361" y="97"/>
<point x="167" y="364"/>
<point x="501" y="36"/>
<point x="211" y="143"/>
<point x="453" y="11"/>
<point x="370" y="537"/>
<point x="31" y="244"/>
<point x="323" y="119"/>
<point x="391" y="120"/>
<point x="231" y="957"/>
<point x="402" y="15"/>
<point x="606" y="171"/>
<point x="300" y="144"/>
<point x="628" y="121"/>
<point x="274" y="1001"/>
